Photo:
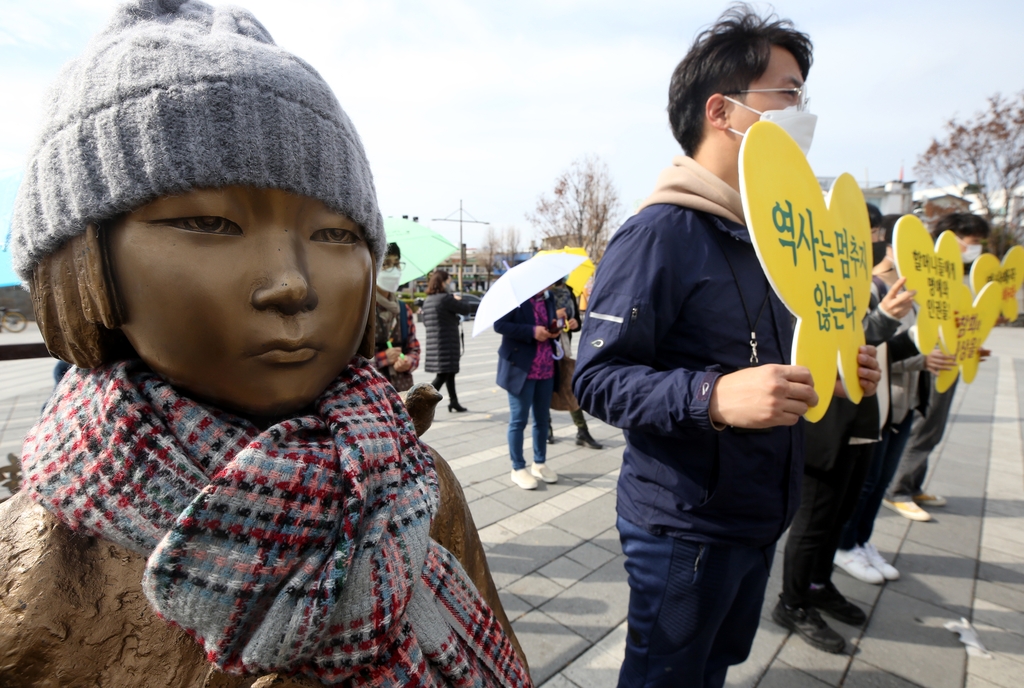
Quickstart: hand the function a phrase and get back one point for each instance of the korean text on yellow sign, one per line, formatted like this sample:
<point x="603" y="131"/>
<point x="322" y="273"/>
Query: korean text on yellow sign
<point x="817" y="257"/>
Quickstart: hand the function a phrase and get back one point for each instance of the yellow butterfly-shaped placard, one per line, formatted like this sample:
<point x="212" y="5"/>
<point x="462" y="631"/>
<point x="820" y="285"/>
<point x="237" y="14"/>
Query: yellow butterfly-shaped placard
<point x="817" y="257"/>
<point x="973" y="322"/>
<point x="932" y="269"/>
<point x="1009" y="275"/>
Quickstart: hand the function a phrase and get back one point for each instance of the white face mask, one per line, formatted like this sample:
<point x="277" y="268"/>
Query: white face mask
<point x="799" y="124"/>
<point x="388" y="279"/>
<point x="971" y="253"/>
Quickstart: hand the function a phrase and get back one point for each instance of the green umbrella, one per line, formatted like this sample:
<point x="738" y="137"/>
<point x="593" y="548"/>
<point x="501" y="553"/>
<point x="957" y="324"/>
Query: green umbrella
<point x="422" y="248"/>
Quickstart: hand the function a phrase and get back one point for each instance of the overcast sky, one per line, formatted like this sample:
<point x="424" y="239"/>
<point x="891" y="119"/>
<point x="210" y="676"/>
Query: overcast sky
<point x="488" y="102"/>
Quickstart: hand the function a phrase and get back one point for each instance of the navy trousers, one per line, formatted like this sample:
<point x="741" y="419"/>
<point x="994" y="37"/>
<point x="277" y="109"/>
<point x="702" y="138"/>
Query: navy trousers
<point x="693" y="609"/>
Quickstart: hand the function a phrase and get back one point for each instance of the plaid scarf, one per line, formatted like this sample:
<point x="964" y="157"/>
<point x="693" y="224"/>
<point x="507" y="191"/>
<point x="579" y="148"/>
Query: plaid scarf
<point x="300" y="549"/>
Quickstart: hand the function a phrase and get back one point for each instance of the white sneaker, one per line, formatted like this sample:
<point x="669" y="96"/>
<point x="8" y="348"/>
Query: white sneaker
<point x="541" y="470"/>
<point x="523" y="479"/>
<point x="878" y="562"/>
<point x="855" y="563"/>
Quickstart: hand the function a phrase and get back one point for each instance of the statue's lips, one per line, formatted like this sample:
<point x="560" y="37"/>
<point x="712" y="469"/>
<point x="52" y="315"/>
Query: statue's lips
<point x="285" y="356"/>
<point x="286" y="352"/>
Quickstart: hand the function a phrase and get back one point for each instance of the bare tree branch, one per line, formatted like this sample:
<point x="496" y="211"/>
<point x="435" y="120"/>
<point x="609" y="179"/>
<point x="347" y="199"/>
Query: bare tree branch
<point x="582" y="210"/>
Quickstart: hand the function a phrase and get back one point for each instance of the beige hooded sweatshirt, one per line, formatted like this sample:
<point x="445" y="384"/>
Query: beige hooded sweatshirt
<point x="689" y="185"/>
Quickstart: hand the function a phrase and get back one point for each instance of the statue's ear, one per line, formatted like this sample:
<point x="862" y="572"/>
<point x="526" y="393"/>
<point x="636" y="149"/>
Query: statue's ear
<point x="368" y="347"/>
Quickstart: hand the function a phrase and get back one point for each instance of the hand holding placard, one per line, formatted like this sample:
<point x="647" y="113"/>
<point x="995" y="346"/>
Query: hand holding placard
<point x="817" y="257"/>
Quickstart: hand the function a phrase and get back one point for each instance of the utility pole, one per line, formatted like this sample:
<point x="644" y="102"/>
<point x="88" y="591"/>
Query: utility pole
<point x="462" y="246"/>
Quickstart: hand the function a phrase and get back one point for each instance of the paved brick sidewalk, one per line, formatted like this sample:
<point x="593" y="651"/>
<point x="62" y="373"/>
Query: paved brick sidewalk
<point x="555" y="554"/>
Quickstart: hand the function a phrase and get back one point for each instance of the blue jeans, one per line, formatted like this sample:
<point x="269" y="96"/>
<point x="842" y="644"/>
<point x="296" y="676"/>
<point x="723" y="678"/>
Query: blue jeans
<point x="536" y="394"/>
<point x="884" y="463"/>
<point x="693" y="609"/>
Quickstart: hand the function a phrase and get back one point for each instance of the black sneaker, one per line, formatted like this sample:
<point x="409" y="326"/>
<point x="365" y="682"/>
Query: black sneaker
<point x="832" y="602"/>
<point x="807" y="623"/>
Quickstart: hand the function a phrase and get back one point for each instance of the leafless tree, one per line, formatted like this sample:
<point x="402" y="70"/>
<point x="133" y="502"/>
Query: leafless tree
<point x="511" y="244"/>
<point x="490" y="251"/>
<point x="985" y="154"/>
<point x="582" y="210"/>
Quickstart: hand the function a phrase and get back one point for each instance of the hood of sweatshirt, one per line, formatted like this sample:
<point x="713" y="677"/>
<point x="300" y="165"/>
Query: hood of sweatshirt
<point x="690" y="185"/>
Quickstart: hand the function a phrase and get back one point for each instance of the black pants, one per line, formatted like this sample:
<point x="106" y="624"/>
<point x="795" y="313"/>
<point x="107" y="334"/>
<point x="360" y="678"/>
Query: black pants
<point x="826" y="502"/>
<point x="448" y="380"/>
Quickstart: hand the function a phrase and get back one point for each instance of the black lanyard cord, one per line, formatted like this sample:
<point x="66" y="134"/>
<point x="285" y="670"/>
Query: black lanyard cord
<point x="743" y="302"/>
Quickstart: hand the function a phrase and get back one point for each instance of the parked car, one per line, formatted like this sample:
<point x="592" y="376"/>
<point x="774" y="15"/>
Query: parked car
<point x="474" y="301"/>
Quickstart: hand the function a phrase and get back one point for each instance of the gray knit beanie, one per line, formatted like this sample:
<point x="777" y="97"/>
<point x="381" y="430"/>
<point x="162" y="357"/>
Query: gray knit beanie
<point x="177" y="95"/>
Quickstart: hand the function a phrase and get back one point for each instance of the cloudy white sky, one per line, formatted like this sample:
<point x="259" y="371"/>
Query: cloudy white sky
<point x="488" y="102"/>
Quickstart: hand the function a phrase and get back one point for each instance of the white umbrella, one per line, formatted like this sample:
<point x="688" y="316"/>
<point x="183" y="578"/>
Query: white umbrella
<point x="520" y="283"/>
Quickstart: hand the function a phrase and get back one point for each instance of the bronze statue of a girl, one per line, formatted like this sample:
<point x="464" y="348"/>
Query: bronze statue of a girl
<point x="223" y="491"/>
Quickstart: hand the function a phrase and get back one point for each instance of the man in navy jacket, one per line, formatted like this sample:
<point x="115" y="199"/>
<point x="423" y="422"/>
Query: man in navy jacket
<point x="686" y="348"/>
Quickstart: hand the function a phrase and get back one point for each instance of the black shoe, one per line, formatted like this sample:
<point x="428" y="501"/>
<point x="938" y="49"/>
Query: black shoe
<point x="551" y="434"/>
<point x="807" y="623"/>
<point x="583" y="439"/>
<point x="832" y="602"/>
<point x="455" y="407"/>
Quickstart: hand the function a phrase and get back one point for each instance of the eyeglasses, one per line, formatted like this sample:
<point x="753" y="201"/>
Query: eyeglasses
<point x="799" y="94"/>
<point x="389" y="263"/>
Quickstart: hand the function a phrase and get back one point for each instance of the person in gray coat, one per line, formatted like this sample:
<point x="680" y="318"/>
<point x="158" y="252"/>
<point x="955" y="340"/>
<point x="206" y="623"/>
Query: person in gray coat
<point x="441" y="313"/>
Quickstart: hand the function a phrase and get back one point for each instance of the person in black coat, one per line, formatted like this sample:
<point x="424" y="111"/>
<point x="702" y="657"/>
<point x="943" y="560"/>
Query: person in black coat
<point x="441" y="313"/>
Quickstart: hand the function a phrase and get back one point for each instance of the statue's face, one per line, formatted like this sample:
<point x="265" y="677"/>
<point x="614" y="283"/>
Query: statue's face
<point x="250" y="299"/>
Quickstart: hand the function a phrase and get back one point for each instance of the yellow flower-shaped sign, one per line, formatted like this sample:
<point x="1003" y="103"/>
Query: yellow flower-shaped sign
<point x="817" y="257"/>
<point x="932" y="268"/>
<point x="1009" y="275"/>
<point x="973" y="322"/>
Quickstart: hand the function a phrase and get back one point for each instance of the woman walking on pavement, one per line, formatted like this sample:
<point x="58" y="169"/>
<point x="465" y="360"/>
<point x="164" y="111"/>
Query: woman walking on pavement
<point x="441" y="313"/>
<point x="527" y="371"/>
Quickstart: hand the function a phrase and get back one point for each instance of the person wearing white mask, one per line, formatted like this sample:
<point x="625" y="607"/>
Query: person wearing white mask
<point x="397" y="349"/>
<point x="686" y="348"/>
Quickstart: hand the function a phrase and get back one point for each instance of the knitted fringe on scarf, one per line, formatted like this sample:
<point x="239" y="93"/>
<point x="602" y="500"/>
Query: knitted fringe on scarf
<point x="300" y="549"/>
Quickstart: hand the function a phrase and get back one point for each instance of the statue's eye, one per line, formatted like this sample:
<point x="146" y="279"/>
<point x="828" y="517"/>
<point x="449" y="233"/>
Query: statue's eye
<point x="335" y="235"/>
<point x="206" y="225"/>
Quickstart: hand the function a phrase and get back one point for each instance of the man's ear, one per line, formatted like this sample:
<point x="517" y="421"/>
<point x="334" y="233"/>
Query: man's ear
<point x="716" y="112"/>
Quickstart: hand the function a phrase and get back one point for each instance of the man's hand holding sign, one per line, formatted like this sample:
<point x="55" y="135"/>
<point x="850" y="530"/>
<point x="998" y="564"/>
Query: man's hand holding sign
<point x="817" y="259"/>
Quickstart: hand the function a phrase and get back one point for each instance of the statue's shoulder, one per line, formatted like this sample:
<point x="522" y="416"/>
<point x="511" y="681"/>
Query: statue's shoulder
<point x="72" y="613"/>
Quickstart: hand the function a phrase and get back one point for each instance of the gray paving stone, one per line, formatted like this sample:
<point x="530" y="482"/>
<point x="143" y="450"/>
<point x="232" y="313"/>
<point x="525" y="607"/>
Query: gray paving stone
<point x="548" y="645"/>
<point x="936" y="576"/>
<point x="488" y="510"/>
<point x="535" y="589"/>
<point x="781" y="675"/>
<point x="855" y="590"/>
<point x="767" y="642"/>
<point x="591" y="519"/>
<point x="526" y="553"/>
<point x="513" y="605"/>
<point x="560" y="681"/>
<point x="1007" y="597"/>
<point x="609" y="540"/>
<point x="565" y="571"/>
<point x="1006" y="668"/>
<point x="957" y="534"/>
<point x="905" y="637"/>
<point x="863" y="675"/>
<point x="826" y="667"/>
<point x="591" y="555"/>
<point x="595" y="605"/>
<point x="523" y="499"/>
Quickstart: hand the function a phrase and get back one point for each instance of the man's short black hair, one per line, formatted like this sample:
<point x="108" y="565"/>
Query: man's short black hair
<point x="726" y="58"/>
<point x="874" y="215"/>
<point x="393" y="250"/>
<point x="963" y="225"/>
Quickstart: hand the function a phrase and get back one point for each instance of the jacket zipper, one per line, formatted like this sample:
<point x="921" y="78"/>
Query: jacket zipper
<point x="635" y="312"/>
<point x="696" y="562"/>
